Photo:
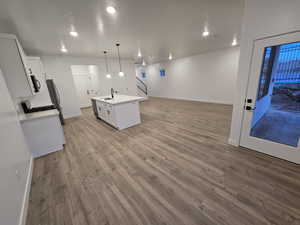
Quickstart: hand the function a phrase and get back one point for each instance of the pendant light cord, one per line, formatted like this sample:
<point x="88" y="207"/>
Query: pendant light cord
<point x="118" y="46"/>
<point x="106" y="64"/>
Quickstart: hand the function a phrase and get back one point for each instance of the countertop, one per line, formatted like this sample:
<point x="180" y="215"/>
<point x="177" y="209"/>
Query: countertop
<point x="119" y="99"/>
<point x="38" y="115"/>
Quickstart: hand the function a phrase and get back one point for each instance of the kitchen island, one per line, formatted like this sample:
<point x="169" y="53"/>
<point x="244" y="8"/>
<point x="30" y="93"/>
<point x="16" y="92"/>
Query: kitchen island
<point x="121" y="111"/>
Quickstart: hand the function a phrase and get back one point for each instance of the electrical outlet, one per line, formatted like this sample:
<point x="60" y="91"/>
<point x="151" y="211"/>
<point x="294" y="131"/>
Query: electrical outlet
<point x="18" y="174"/>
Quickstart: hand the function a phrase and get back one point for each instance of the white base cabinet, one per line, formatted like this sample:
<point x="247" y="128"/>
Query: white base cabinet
<point x="127" y="115"/>
<point x="43" y="132"/>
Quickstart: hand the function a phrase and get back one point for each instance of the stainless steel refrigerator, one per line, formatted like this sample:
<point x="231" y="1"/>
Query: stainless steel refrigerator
<point x="55" y="98"/>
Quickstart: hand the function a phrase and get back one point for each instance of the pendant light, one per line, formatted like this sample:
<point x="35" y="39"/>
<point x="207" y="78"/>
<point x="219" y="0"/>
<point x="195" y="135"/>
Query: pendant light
<point x="108" y="76"/>
<point x="121" y="73"/>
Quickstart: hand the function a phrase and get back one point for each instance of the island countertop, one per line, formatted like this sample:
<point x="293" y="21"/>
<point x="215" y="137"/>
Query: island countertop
<point x="118" y="99"/>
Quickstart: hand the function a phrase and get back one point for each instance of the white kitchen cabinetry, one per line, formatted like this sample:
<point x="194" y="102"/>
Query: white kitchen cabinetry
<point x="105" y="112"/>
<point x="110" y="114"/>
<point x="13" y="65"/>
<point x="120" y="112"/>
<point x="101" y="110"/>
<point x="43" y="132"/>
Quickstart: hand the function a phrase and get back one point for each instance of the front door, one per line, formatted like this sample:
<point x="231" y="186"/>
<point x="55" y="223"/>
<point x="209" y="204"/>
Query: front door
<point x="272" y="108"/>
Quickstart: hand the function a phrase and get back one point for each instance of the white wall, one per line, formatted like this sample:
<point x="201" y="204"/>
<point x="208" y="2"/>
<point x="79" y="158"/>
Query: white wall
<point x="59" y="68"/>
<point x="87" y="83"/>
<point x="208" y="77"/>
<point x="262" y="18"/>
<point x="14" y="162"/>
<point x="92" y="72"/>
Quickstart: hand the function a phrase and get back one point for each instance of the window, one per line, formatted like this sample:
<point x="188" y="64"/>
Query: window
<point x="266" y="72"/>
<point x="288" y="68"/>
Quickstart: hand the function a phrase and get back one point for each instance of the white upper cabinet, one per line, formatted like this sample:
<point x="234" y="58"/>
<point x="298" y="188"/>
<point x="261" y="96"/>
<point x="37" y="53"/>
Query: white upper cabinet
<point x="13" y="65"/>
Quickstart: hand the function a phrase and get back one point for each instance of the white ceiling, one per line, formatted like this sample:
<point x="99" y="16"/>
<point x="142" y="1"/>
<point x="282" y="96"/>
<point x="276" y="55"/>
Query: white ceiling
<point x="157" y="27"/>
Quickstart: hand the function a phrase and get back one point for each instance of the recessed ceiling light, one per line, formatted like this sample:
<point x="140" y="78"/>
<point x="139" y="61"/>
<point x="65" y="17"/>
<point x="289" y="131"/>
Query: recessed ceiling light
<point x="108" y="76"/>
<point x="205" y="33"/>
<point x="121" y="74"/>
<point x="74" y="33"/>
<point x="170" y="56"/>
<point x="111" y="9"/>
<point x="234" y="42"/>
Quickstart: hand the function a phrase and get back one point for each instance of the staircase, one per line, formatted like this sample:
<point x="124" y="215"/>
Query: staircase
<point x="142" y="88"/>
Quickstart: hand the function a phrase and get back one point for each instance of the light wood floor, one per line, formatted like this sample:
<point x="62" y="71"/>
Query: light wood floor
<point x="175" y="168"/>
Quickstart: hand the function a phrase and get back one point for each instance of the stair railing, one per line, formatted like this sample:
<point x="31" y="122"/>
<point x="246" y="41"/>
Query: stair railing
<point x="142" y="86"/>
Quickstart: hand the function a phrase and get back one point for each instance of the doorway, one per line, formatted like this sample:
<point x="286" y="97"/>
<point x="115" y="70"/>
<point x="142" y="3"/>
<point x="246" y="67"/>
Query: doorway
<point x="86" y="80"/>
<point x="272" y="107"/>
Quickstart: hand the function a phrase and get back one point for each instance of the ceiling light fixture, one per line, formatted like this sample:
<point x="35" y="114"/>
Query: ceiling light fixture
<point x="73" y="33"/>
<point x="111" y="9"/>
<point x="144" y="63"/>
<point x="63" y="48"/>
<point x="205" y="33"/>
<point x="121" y="73"/>
<point x="234" y="42"/>
<point x="106" y="64"/>
<point x="170" y="56"/>
<point x="139" y="54"/>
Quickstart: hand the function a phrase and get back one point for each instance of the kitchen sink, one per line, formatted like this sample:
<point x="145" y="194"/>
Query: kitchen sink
<point x="108" y="98"/>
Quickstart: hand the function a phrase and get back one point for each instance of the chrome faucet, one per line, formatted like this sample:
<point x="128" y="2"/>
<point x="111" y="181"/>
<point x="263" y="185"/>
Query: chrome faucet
<point x="112" y="92"/>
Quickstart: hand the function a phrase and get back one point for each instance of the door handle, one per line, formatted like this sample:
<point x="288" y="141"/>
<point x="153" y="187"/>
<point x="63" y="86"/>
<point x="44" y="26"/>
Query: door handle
<point x="249" y="108"/>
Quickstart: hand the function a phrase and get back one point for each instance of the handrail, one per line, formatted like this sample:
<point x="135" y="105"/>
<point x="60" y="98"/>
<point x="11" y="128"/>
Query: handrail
<point x="145" y="86"/>
<point x="144" y="91"/>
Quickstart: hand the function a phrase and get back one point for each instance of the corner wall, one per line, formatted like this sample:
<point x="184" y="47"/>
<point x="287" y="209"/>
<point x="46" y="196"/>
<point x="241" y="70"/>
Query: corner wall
<point x="15" y="162"/>
<point x="208" y="77"/>
<point x="262" y="18"/>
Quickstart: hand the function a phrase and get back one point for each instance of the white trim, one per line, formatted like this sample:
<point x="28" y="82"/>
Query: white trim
<point x="24" y="209"/>
<point x="194" y="100"/>
<point x="72" y="115"/>
<point x="233" y="142"/>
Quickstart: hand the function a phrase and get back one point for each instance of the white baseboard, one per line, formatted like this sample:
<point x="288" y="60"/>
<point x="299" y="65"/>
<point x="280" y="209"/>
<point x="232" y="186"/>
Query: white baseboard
<point x="145" y="98"/>
<point x="194" y="100"/>
<point x="233" y="142"/>
<point x="25" y="203"/>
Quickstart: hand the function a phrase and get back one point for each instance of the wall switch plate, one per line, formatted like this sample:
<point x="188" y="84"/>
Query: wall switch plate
<point x="18" y="175"/>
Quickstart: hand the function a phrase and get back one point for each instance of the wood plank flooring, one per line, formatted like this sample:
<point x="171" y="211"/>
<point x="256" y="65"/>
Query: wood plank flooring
<point x="176" y="168"/>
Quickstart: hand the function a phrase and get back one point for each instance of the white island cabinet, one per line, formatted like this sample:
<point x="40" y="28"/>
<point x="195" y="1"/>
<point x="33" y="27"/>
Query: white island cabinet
<point x="121" y="112"/>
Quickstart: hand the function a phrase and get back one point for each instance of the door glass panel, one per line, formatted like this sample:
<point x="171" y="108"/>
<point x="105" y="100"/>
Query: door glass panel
<point x="276" y="116"/>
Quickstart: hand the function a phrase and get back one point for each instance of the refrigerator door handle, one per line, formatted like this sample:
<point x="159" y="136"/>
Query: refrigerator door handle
<point x="57" y="93"/>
